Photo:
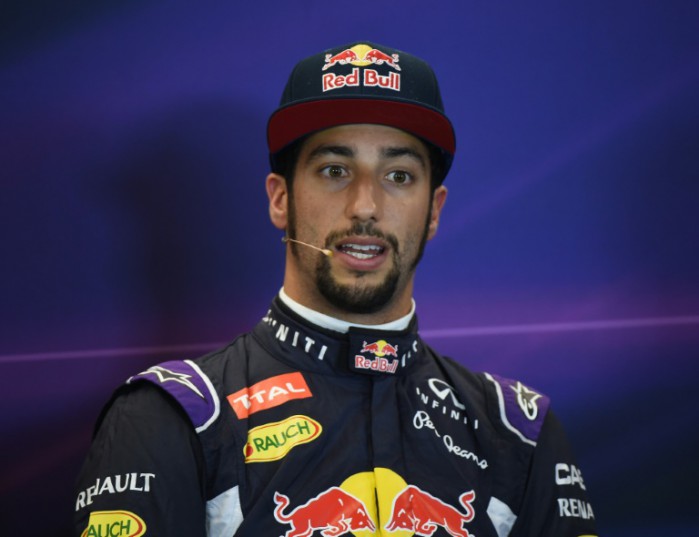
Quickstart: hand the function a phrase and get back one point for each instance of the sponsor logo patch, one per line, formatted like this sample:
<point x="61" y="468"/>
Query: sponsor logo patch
<point x="419" y="511"/>
<point x="381" y="349"/>
<point x="522" y="410"/>
<point x="441" y="397"/>
<point x="441" y="389"/>
<point x="164" y="375"/>
<point x="377" y="364"/>
<point x="526" y="399"/>
<point x="114" y="524"/>
<point x="574" y="508"/>
<point x="114" y="484"/>
<point x="359" y="504"/>
<point x="294" y="338"/>
<point x="569" y="475"/>
<point x="422" y="420"/>
<point x="334" y="511"/>
<point x="272" y="441"/>
<point x="269" y="393"/>
<point x="362" y="56"/>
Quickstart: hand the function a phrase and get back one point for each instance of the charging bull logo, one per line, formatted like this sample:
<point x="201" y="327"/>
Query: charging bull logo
<point x="381" y="349"/>
<point x="362" y="55"/>
<point x="334" y="512"/>
<point x="375" y="499"/>
<point x="419" y="511"/>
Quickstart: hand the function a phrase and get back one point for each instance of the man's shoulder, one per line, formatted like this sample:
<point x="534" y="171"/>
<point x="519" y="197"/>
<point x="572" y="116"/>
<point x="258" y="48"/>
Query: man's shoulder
<point x="194" y="385"/>
<point x="514" y="408"/>
<point x="521" y="409"/>
<point x="186" y="383"/>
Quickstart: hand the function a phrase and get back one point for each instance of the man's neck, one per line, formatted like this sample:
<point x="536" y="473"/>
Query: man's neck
<point x="338" y="325"/>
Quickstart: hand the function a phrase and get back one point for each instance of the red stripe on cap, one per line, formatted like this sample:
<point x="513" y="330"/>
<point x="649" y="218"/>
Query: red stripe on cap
<point x="293" y="122"/>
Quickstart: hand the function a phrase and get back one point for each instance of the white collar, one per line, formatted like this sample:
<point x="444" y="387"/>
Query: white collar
<point x="337" y="325"/>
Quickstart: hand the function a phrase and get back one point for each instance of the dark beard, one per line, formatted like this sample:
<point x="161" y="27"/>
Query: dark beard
<point x="363" y="299"/>
<point x="354" y="298"/>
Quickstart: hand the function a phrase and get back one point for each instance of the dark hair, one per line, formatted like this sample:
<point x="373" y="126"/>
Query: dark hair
<point x="284" y="162"/>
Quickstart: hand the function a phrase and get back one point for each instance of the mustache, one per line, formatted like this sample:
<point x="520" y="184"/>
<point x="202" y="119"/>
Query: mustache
<point x="362" y="229"/>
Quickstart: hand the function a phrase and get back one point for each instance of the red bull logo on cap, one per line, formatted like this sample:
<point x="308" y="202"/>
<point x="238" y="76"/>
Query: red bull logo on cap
<point x="361" y="56"/>
<point x="375" y="502"/>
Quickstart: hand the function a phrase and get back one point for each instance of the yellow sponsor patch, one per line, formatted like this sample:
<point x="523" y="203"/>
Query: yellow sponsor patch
<point x="114" y="524"/>
<point x="272" y="441"/>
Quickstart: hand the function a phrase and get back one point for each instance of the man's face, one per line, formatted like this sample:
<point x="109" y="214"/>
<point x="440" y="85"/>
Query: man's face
<point x="362" y="191"/>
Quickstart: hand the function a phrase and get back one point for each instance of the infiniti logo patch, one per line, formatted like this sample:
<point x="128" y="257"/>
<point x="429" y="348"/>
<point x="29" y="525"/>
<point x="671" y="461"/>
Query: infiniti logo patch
<point x="440" y="398"/>
<point x="441" y="389"/>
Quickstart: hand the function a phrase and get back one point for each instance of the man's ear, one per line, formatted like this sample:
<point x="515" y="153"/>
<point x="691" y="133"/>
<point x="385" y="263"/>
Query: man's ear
<point x="438" y="199"/>
<point x="278" y="200"/>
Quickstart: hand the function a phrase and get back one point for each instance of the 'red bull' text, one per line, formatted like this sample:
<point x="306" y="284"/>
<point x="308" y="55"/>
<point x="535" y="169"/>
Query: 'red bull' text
<point x="377" y="364"/>
<point x="368" y="78"/>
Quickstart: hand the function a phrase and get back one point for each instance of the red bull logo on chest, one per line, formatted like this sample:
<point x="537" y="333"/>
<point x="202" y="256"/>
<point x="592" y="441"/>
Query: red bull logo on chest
<point x="334" y="512"/>
<point x="418" y="511"/>
<point x="375" y="503"/>
<point x="362" y="56"/>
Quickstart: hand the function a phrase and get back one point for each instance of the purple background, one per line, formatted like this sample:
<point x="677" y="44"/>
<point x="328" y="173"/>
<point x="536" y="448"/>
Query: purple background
<point x="134" y="225"/>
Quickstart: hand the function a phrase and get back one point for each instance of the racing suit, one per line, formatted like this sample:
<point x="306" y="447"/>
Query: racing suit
<point x="295" y="430"/>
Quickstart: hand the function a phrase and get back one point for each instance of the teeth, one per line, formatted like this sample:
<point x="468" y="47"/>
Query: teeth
<point x="363" y="247"/>
<point x="361" y="251"/>
<point x="360" y="256"/>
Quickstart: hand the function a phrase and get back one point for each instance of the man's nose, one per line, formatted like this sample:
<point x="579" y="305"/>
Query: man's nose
<point x="364" y="201"/>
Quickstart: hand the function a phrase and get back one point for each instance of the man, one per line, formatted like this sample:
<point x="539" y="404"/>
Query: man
<point x="332" y="417"/>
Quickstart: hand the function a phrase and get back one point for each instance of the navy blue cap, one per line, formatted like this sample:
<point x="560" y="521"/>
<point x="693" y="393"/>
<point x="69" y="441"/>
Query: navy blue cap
<point x="362" y="82"/>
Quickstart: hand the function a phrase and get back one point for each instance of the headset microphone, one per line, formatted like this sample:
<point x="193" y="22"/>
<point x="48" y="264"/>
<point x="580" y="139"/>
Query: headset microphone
<point x="324" y="251"/>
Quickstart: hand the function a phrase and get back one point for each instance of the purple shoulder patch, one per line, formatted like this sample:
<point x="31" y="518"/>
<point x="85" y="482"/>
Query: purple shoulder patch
<point x="189" y="386"/>
<point x="522" y="409"/>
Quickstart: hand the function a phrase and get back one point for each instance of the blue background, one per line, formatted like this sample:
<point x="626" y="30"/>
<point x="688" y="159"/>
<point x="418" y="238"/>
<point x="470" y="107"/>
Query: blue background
<point x="134" y="225"/>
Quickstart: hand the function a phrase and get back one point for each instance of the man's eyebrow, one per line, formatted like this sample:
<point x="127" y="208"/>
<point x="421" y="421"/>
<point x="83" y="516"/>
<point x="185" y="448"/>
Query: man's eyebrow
<point x="393" y="152"/>
<point x="324" y="150"/>
<point x="386" y="152"/>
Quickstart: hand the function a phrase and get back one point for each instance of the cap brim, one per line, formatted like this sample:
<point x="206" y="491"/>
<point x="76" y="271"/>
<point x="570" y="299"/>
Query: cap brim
<point x="292" y="122"/>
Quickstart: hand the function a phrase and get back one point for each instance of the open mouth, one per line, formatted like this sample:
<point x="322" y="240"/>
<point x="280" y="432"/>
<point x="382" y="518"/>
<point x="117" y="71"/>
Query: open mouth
<point x="361" y="251"/>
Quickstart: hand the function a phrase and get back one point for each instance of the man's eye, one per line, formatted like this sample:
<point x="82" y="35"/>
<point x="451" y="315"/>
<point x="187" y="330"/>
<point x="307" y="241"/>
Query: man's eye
<point x="334" y="171"/>
<point x="400" y="177"/>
